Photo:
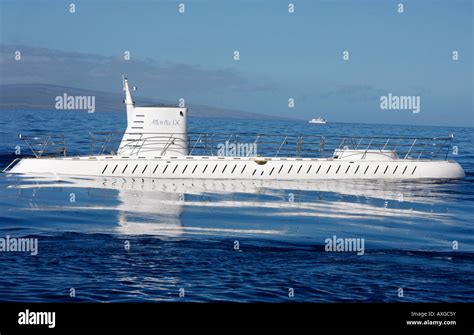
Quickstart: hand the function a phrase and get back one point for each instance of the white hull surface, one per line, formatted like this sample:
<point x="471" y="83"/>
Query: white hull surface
<point x="250" y="168"/>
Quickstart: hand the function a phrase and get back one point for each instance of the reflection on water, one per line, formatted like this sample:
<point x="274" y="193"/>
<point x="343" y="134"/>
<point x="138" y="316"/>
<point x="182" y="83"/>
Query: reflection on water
<point x="388" y="214"/>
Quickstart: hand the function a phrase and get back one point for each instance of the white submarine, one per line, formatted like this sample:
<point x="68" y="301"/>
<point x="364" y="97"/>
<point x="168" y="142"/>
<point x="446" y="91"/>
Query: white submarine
<point x="156" y="144"/>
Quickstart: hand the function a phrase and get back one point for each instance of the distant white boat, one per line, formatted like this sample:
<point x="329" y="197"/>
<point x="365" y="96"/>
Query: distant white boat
<point x="317" y="120"/>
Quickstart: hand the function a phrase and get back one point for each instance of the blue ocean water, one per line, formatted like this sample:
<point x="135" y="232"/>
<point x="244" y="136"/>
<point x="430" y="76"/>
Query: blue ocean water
<point x="142" y="240"/>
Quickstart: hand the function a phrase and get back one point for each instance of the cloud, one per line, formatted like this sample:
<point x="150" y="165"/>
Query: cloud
<point x="92" y="71"/>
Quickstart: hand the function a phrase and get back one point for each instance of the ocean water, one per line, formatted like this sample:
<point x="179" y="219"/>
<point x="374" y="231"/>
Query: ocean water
<point x="143" y="240"/>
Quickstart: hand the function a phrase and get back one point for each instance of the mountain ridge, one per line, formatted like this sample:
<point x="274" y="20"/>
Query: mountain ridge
<point x="40" y="96"/>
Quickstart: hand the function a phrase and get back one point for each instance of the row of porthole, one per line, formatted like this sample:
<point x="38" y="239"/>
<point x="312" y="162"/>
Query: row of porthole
<point x="255" y="170"/>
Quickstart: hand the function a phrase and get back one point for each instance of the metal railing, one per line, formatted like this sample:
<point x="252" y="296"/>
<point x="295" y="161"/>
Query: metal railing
<point x="222" y="144"/>
<point x="104" y="143"/>
<point x="405" y="147"/>
<point x="211" y="144"/>
<point x="45" y="145"/>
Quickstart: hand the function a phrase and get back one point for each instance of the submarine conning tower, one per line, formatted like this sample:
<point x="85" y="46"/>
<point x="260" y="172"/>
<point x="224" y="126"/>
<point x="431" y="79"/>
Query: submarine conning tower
<point x="153" y="131"/>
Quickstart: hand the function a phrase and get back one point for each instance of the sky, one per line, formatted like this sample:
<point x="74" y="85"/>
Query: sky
<point x="283" y="55"/>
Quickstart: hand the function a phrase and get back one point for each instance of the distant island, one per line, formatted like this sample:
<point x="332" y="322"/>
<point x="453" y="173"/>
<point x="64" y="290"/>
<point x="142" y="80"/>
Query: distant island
<point x="42" y="97"/>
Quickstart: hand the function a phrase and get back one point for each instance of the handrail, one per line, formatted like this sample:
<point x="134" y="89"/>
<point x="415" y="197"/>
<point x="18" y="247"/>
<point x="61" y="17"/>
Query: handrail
<point x="288" y="145"/>
<point x="45" y="145"/>
<point x="411" y="147"/>
<point x="199" y="138"/>
<point x="281" y="145"/>
<point x="276" y="145"/>
<point x="12" y="163"/>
